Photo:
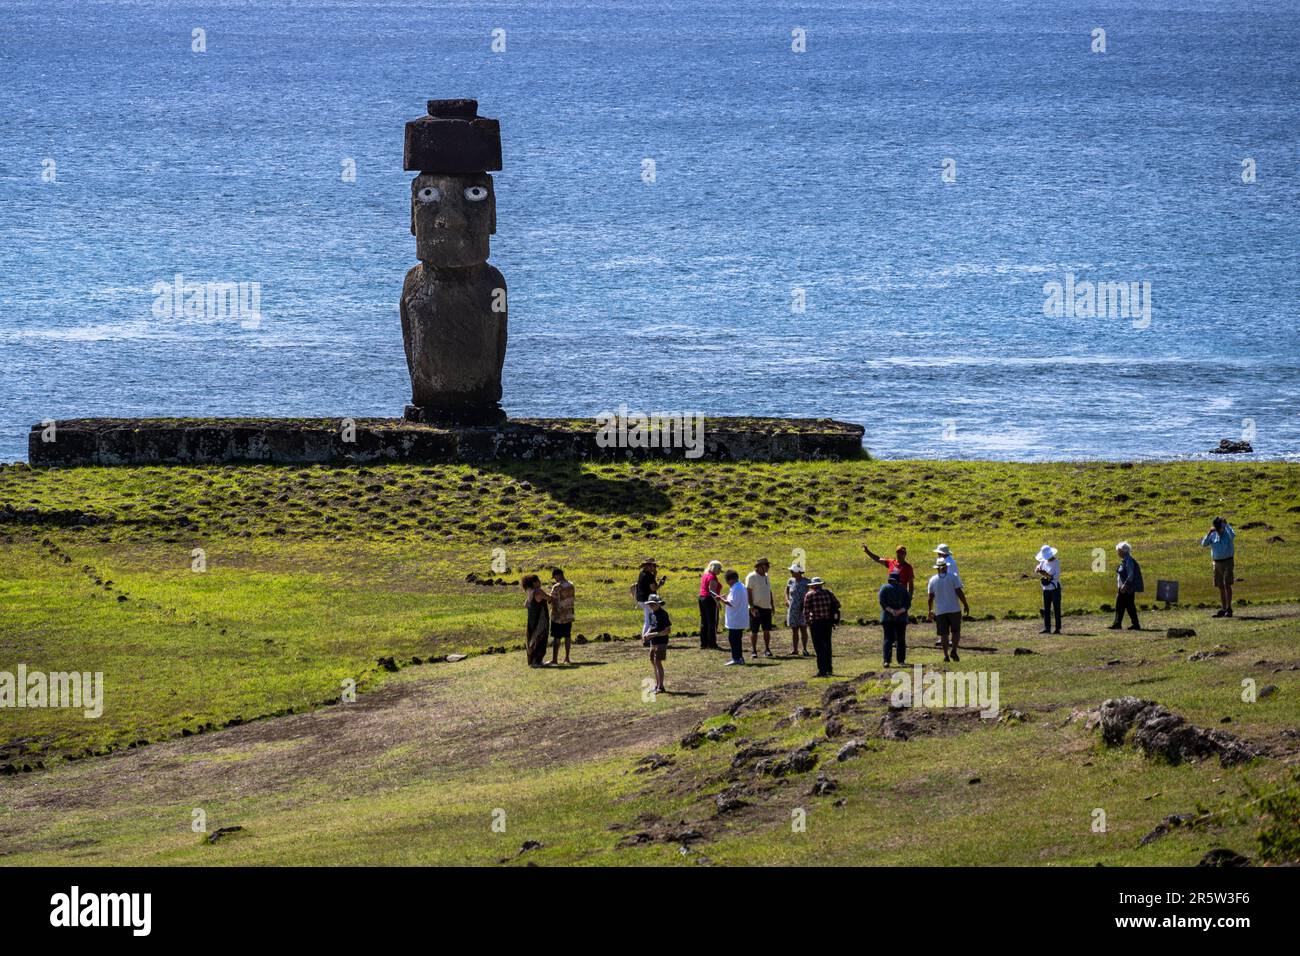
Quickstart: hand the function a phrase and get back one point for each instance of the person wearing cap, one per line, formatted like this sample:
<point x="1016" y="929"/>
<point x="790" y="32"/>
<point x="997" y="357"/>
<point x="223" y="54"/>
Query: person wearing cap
<point x="899" y="563"/>
<point x="945" y="554"/>
<point x="1128" y="582"/>
<point x="795" y="589"/>
<point x="656" y="636"/>
<point x="895" y="601"/>
<point x="1048" y="570"/>
<point x="821" y="612"/>
<point x="1221" y="540"/>
<point x="647" y="583"/>
<point x="947" y="602"/>
<point x="759" y="586"/>
<point x="736" y="602"/>
<point x="710" y="589"/>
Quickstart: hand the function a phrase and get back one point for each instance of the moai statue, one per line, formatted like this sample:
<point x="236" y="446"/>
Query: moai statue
<point x="453" y="302"/>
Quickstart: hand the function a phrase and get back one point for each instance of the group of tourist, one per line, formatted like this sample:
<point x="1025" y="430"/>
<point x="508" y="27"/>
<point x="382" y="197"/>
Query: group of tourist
<point x="812" y="610"/>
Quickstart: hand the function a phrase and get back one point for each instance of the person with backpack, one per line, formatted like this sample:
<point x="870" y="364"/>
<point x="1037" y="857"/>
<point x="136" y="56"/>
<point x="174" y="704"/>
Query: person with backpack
<point x="821" y="612"/>
<point x="1128" y="584"/>
<point x="895" y="601"/>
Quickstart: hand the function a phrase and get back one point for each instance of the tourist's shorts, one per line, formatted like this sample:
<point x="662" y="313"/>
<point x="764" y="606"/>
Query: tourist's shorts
<point x="561" y="631"/>
<point x="1223" y="573"/>
<point x="946" y="623"/>
<point x="658" y="651"/>
<point x="760" y="617"/>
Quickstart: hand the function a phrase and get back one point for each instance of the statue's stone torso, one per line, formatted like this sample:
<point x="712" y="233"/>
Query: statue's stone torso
<point x="454" y="329"/>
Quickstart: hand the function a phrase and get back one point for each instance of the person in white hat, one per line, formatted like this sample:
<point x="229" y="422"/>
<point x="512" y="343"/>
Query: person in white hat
<point x="656" y="636"/>
<point x="1048" y="570"/>
<point x="795" y="589"/>
<point x="945" y="554"/>
<point x="947" y="601"/>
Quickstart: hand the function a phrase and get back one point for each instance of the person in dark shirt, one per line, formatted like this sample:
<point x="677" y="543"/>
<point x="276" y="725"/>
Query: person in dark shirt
<point x="647" y="583"/>
<point x="821" y="612"/>
<point x="1128" y="584"/>
<point x="656" y="637"/>
<point x="537" y="602"/>
<point x="895" y="600"/>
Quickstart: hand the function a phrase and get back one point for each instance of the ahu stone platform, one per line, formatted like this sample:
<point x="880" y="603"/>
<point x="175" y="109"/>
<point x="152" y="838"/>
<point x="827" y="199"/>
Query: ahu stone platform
<point x="300" y="441"/>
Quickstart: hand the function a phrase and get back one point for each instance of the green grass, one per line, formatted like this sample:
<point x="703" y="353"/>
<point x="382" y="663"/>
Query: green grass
<point x="315" y="573"/>
<point x="418" y="772"/>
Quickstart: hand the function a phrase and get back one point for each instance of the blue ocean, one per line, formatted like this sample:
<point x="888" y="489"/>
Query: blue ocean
<point x="848" y="209"/>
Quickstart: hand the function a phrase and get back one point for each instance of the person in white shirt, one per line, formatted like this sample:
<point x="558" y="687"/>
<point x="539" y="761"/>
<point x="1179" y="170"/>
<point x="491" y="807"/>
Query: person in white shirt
<point x="759" y="586"/>
<point x="947" y="601"/>
<point x="736" y="616"/>
<point x="1048" y="570"/>
<point x="945" y="554"/>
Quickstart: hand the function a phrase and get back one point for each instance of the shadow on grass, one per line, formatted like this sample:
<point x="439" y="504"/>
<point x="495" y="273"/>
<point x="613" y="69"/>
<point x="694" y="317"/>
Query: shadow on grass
<point x="567" y="483"/>
<point x="573" y="664"/>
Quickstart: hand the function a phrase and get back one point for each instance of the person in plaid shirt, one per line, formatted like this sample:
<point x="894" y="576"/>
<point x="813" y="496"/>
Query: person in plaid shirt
<point x="821" y="612"/>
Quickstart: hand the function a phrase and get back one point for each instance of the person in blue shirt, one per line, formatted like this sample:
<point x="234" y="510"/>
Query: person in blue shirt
<point x="895" y="600"/>
<point x="1221" y="540"/>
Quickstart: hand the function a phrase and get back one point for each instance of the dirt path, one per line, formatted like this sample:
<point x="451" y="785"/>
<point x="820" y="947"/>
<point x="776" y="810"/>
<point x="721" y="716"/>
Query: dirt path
<point x="431" y="720"/>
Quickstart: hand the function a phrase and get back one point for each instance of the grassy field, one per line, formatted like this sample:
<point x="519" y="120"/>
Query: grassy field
<point x="314" y="574"/>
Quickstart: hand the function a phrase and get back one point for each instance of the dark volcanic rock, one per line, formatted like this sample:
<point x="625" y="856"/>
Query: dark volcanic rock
<point x="1222" y="856"/>
<point x="1169" y="823"/>
<point x="220" y="833"/>
<point x="823" y="786"/>
<point x="1229" y="447"/>
<point x="189" y="441"/>
<point x="1161" y="733"/>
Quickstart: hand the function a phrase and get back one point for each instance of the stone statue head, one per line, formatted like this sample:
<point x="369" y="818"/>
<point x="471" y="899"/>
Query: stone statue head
<point x="452" y="217"/>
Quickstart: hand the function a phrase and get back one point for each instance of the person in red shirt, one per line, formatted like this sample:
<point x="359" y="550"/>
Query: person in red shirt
<point x="897" y="563"/>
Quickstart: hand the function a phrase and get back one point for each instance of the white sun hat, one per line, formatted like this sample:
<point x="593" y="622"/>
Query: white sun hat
<point x="1123" y="546"/>
<point x="1046" y="553"/>
<point x="944" y="550"/>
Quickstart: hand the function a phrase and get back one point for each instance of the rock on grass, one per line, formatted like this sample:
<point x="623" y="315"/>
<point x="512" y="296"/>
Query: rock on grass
<point x="1162" y="733"/>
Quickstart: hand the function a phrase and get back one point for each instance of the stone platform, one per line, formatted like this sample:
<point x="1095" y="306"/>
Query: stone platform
<point x="300" y="441"/>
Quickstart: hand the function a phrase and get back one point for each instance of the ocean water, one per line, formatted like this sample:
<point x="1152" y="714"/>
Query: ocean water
<point x="775" y="171"/>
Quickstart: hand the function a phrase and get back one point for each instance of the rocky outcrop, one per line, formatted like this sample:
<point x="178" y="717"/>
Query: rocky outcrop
<point x="1162" y="733"/>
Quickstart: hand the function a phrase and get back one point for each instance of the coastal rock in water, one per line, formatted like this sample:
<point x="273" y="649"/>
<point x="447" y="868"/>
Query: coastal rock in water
<point x="1229" y="447"/>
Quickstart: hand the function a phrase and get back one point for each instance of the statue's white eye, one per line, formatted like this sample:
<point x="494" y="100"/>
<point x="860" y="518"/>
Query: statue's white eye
<point x="428" y="194"/>
<point x="476" y="193"/>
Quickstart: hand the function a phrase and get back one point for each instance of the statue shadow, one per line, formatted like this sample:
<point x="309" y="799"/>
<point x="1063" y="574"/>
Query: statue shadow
<point x="569" y="484"/>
